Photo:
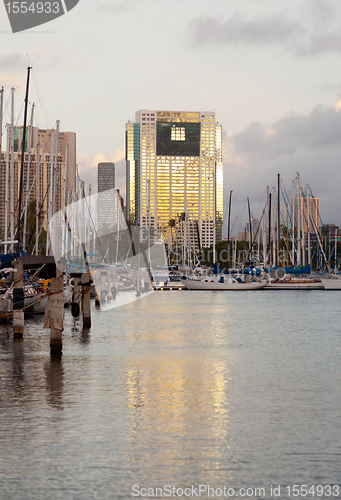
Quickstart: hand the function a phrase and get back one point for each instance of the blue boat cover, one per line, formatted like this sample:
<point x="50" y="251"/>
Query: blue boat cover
<point x="6" y="259"/>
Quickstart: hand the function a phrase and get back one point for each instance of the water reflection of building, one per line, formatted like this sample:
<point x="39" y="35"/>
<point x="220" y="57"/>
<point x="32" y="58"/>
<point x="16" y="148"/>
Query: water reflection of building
<point x="170" y="392"/>
<point x="168" y="399"/>
<point x="175" y="173"/>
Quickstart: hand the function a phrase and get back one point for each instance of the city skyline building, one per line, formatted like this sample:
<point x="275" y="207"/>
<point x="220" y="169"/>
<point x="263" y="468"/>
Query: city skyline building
<point x="106" y="194"/>
<point x="110" y="203"/>
<point x="313" y="204"/>
<point x="307" y="203"/>
<point x="174" y="174"/>
<point x="105" y="176"/>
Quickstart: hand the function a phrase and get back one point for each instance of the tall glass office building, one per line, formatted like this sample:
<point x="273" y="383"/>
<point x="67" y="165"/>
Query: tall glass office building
<point x="106" y="195"/>
<point x="175" y="172"/>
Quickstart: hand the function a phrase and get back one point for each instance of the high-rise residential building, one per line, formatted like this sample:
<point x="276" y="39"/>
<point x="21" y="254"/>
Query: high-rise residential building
<point x="106" y="195"/>
<point x="105" y="176"/>
<point x="312" y="203"/>
<point x="110" y="202"/>
<point x="175" y="172"/>
<point x="49" y="153"/>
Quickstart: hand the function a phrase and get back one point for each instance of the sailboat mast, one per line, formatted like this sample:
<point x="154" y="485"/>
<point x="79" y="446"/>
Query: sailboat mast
<point x="28" y="178"/>
<point x="278" y="218"/>
<point x="293" y="223"/>
<point x="298" y="220"/>
<point x="51" y="195"/>
<point x="264" y="239"/>
<point x="6" y="186"/>
<point x="269" y="229"/>
<point x="55" y="173"/>
<point x="228" y="227"/>
<point x="235" y="246"/>
<point x="308" y="225"/>
<point x="250" y="228"/>
<point x="37" y="199"/>
<point x="214" y="215"/>
<point x="23" y="154"/>
<point x="1" y="116"/>
<point x="274" y="227"/>
<point x="286" y="205"/>
<point x="64" y="251"/>
<point x="302" y="227"/>
<point x="12" y="168"/>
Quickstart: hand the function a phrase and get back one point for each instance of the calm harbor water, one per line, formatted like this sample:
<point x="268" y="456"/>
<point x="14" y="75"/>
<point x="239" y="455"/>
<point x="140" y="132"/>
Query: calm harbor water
<point x="177" y="389"/>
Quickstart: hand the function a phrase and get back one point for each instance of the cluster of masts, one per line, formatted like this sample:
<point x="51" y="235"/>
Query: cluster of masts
<point x="12" y="167"/>
<point x="19" y="181"/>
<point x="295" y="242"/>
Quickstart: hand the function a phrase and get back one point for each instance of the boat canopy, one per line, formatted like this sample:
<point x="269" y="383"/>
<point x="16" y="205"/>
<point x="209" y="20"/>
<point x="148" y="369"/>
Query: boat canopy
<point x="298" y="270"/>
<point x="6" y="258"/>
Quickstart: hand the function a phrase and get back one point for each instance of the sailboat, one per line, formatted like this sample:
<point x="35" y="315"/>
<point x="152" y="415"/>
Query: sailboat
<point x="224" y="282"/>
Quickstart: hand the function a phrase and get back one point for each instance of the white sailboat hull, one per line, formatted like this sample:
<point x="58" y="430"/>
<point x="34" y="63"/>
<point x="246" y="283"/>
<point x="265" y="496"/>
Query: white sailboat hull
<point x="331" y="283"/>
<point x="295" y="285"/>
<point x="211" y="284"/>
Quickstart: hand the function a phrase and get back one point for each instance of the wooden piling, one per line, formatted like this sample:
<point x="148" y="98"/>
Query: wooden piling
<point x="97" y="289"/>
<point x="138" y="283"/>
<point x="146" y="280"/>
<point x="113" y="285"/>
<point x="54" y="314"/>
<point x="102" y="286"/>
<point x="18" y="300"/>
<point x="86" y="301"/>
<point x="109" y="294"/>
<point x="77" y="294"/>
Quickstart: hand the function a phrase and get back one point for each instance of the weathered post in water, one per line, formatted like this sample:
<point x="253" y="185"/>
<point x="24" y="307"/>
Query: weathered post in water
<point x="138" y="283"/>
<point x="113" y="285"/>
<point x="86" y="301"/>
<point x="18" y="300"/>
<point x="102" y="286"/>
<point x="54" y="313"/>
<point x="109" y="279"/>
<point x="77" y="294"/>
<point x="97" y="280"/>
<point x="147" y="281"/>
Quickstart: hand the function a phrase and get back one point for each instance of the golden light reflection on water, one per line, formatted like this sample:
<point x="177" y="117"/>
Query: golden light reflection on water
<point x="175" y="322"/>
<point x="178" y="396"/>
<point x="169" y="400"/>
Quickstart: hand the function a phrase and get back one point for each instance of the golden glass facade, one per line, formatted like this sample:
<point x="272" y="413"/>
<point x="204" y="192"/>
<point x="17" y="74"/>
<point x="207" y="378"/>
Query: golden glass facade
<point x="185" y="182"/>
<point x="132" y="156"/>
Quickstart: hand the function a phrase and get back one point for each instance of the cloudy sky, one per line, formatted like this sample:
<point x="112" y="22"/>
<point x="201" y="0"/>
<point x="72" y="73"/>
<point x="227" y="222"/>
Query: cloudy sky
<point x="271" y="70"/>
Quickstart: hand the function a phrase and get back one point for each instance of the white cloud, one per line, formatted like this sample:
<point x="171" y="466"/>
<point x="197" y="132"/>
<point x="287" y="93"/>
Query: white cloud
<point x="11" y="80"/>
<point x="302" y="38"/>
<point x="337" y="105"/>
<point x="87" y="167"/>
<point x="13" y="61"/>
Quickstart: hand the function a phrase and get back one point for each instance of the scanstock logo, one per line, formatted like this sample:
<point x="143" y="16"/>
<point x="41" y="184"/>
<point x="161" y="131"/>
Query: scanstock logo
<point x="28" y="14"/>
